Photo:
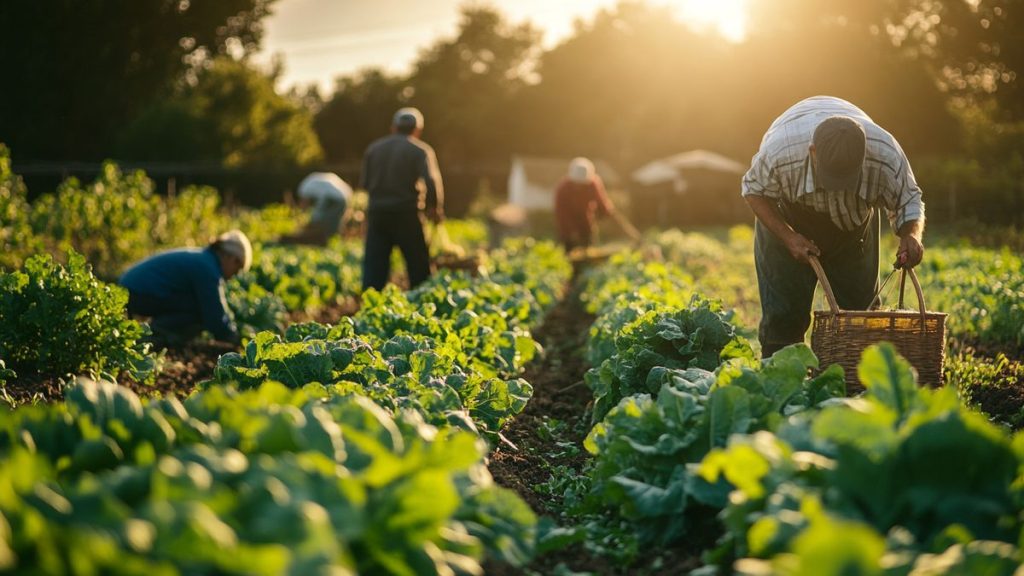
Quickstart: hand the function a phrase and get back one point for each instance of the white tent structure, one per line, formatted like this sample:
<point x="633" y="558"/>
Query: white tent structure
<point x="689" y="188"/>
<point x="673" y="168"/>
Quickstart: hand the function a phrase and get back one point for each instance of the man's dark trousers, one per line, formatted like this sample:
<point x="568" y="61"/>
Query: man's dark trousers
<point x="385" y="230"/>
<point x="850" y="262"/>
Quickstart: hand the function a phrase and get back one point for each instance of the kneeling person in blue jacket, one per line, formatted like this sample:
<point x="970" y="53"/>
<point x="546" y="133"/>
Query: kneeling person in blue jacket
<point x="182" y="290"/>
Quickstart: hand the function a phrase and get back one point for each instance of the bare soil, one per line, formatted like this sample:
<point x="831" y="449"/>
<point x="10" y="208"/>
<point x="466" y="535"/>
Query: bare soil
<point x="183" y="368"/>
<point x="1003" y="404"/>
<point x="1002" y="399"/>
<point x="560" y="394"/>
<point x="326" y="314"/>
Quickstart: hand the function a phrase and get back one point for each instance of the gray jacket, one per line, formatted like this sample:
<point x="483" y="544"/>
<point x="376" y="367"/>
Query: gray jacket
<point x="400" y="172"/>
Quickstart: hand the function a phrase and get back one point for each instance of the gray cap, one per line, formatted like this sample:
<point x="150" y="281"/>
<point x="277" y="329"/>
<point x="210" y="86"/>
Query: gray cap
<point x="839" y="145"/>
<point x="408" y="118"/>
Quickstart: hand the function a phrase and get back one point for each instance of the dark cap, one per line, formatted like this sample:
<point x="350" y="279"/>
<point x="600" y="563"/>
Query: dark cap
<point x="839" y="144"/>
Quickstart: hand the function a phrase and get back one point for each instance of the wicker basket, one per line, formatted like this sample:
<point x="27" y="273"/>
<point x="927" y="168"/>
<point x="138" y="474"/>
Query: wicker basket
<point x="472" y="264"/>
<point x="452" y="257"/>
<point x="840" y="336"/>
<point x="590" y="256"/>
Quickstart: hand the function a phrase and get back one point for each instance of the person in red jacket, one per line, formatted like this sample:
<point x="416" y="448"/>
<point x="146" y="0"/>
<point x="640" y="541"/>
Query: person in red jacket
<point x="580" y="200"/>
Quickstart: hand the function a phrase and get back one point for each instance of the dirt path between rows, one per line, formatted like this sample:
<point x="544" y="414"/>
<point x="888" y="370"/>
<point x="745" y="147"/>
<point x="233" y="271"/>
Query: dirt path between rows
<point x="560" y="403"/>
<point x="558" y="395"/>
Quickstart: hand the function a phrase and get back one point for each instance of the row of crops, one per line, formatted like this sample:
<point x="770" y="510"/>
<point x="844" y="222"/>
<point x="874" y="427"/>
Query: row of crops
<point x="982" y="289"/>
<point x="360" y="446"/>
<point x="118" y="219"/>
<point x="691" y="436"/>
<point x="355" y="448"/>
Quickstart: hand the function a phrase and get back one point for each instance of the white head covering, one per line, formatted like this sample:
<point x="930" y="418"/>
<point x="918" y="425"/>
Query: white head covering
<point x="581" y="170"/>
<point x="236" y="243"/>
<point x="321" y="185"/>
<point x="408" y="117"/>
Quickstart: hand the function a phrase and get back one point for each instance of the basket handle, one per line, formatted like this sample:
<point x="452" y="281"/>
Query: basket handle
<point x="917" y="288"/>
<point x="829" y="295"/>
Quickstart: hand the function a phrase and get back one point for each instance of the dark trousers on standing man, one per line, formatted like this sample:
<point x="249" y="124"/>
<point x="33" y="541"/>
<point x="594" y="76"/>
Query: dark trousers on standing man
<point x="384" y="231"/>
<point x="850" y="262"/>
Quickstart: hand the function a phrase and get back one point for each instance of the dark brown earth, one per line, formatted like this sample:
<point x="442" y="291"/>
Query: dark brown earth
<point x="326" y="314"/>
<point x="183" y="368"/>
<point x="1002" y="399"/>
<point x="1011" y="351"/>
<point x="1003" y="404"/>
<point x="31" y="389"/>
<point x="560" y="394"/>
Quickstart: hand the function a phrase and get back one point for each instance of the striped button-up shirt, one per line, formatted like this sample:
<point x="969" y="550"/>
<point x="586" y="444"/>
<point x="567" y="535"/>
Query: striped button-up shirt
<point x="782" y="168"/>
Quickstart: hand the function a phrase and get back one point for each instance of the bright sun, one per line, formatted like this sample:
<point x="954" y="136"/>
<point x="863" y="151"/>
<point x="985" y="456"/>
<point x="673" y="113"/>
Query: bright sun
<point x="728" y="17"/>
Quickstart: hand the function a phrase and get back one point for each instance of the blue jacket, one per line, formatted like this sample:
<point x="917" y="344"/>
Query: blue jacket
<point x="187" y="278"/>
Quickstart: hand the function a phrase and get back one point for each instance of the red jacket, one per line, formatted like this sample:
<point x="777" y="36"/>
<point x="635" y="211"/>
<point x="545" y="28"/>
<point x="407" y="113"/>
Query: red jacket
<point x="577" y="208"/>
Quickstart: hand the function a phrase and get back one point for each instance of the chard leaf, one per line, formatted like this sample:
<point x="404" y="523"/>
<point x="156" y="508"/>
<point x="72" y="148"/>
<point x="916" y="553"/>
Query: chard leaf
<point x="728" y="413"/>
<point x="649" y="501"/>
<point x="888" y="378"/>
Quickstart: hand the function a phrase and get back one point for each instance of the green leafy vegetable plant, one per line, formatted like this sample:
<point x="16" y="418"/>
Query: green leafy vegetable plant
<point x="646" y="449"/>
<point x="697" y="336"/>
<point x="265" y="481"/>
<point x="59" y="319"/>
<point x="909" y="469"/>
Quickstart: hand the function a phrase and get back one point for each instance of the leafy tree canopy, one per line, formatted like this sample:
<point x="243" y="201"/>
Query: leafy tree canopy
<point x="229" y="115"/>
<point x="77" y="72"/>
<point x="466" y="87"/>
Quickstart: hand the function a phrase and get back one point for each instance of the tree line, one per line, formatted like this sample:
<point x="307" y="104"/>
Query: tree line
<point x="173" y="80"/>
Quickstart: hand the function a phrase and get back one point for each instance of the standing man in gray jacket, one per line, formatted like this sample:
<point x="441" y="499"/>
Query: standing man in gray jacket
<point x="401" y="176"/>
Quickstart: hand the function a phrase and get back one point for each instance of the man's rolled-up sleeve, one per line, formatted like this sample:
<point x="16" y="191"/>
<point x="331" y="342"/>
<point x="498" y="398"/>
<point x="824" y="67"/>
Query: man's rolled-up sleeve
<point x="761" y="179"/>
<point x="902" y="197"/>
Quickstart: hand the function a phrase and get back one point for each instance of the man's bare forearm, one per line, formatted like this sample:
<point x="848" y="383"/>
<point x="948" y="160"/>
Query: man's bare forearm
<point x="800" y="248"/>
<point x="913" y="228"/>
<point x="766" y="211"/>
<point x="911" y="249"/>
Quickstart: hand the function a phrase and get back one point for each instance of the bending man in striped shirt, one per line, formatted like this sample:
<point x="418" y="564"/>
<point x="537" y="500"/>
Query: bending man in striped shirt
<point x="823" y="172"/>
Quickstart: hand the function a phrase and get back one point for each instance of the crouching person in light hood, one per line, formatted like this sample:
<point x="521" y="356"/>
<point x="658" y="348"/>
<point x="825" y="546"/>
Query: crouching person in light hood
<point x="182" y="290"/>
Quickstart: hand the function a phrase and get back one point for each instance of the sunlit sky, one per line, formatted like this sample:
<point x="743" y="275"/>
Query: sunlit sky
<point x="322" y="39"/>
